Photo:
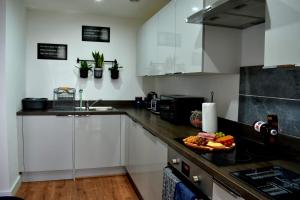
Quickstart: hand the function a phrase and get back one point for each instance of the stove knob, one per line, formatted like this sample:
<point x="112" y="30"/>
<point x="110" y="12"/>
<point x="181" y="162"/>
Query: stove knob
<point x="196" y="179"/>
<point x="175" y="161"/>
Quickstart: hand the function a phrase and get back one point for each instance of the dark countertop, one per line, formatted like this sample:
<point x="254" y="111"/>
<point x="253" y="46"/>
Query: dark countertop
<point x="167" y="132"/>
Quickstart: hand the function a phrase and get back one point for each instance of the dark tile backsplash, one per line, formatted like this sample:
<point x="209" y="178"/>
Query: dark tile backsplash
<point x="271" y="91"/>
<point x="275" y="82"/>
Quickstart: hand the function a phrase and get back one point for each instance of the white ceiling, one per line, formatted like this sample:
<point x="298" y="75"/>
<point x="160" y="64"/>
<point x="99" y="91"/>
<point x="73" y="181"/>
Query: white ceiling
<point x="120" y="8"/>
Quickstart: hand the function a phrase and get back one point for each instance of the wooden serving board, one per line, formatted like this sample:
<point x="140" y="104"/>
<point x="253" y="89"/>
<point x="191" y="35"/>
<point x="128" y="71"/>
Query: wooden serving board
<point x="207" y="148"/>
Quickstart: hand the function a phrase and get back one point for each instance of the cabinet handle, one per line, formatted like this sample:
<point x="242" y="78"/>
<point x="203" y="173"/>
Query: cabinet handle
<point x="178" y="73"/>
<point x="64" y="115"/>
<point x="82" y="115"/>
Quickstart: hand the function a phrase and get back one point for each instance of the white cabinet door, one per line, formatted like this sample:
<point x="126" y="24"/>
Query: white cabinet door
<point x="48" y="143"/>
<point x="220" y="193"/>
<point x="147" y="48"/>
<point x="134" y="131"/>
<point x="152" y="160"/>
<point x="147" y="158"/>
<point x="282" y="44"/>
<point x="189" y="38"/>
<point x="166" y="39"/>
<point x="97" y="141"/>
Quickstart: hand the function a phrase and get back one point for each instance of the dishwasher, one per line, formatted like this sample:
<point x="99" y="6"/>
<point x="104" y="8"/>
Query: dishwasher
<point x="191" y="175"/>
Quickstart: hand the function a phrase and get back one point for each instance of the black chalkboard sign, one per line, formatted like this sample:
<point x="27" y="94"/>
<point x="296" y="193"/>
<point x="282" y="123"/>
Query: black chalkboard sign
<point x="95" y="34"/>
<point x="52" y="51"/>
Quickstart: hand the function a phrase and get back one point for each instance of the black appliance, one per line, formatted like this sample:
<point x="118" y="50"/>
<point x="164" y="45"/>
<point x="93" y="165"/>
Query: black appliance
<point x="275" y="182"/>
<point x="193" y="176"/>
<point x="138" y="102"/>
<point x="245" y="151"/>
<point x="155" y="106"/>
<point x="34" y="103"/>
<point x="177" y="108"/>
<point x="149" y="98"/>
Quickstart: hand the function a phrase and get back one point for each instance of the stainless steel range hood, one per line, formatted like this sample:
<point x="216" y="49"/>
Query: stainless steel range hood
<point x="237" y="14"/>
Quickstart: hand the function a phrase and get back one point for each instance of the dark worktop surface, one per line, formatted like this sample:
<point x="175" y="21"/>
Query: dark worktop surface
<point x="167" y="132"/>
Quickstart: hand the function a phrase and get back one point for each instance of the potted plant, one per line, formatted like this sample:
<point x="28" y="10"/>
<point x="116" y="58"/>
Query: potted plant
<point x="114" y="70"/>
<point x="84" y="69"/>
<point x="99" y="63"/>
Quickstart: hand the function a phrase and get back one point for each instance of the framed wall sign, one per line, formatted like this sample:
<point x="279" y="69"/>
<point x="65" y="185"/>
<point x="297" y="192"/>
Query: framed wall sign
<point x="95" y="34"/>
<point x="52" y="51"/>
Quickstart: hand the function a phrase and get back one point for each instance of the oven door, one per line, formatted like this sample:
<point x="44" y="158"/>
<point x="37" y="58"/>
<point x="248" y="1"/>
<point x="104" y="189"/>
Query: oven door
<point x="199" y="181"/>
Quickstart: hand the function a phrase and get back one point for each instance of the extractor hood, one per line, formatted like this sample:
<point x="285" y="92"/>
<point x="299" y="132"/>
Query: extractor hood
<point x="237" y="14"/>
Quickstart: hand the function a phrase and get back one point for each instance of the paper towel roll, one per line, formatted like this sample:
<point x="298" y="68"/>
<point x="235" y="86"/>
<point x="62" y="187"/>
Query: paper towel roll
<point x="209" y="117"/>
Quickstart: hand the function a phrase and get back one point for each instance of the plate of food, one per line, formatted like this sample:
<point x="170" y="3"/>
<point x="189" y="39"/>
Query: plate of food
<point x="210" y="141"/>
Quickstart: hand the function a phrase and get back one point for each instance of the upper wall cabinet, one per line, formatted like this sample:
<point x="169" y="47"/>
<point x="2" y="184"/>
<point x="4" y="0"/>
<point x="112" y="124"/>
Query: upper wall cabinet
<point x="169" y="45"/>
<point x="147" y="48"/>
<point x="282" y="44"/>
<point x="189" y="37"/>
<point x="165" y="40"/>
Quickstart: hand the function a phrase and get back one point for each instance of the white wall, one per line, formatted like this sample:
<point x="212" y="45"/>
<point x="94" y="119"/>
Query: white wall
<point x="4" y="180"/>
<point x="42" y="76"/>
<point x="12" y="90"/>
<point x="225" y="87"/>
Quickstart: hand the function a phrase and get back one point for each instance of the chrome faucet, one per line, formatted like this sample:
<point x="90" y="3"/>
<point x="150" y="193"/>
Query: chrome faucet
<point x="88" y="106"/>
<point x="80" y="98"/>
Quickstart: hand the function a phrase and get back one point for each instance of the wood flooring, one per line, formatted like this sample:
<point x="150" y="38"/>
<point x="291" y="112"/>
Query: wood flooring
<point x="99" y="188"/>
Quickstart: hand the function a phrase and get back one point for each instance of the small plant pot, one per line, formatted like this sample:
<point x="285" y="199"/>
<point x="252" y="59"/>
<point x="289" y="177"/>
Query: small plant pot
<point x="83" y="73"/>
<point x="98" y="72"/>
<point x="114" y="74"/>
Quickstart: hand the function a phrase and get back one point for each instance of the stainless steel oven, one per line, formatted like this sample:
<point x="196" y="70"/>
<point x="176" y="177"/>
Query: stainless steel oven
<point x="191" y="174"/>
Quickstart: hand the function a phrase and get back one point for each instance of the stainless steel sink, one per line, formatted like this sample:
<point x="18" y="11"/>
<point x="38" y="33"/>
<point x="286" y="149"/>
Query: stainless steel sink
<point x="95" y="108"/>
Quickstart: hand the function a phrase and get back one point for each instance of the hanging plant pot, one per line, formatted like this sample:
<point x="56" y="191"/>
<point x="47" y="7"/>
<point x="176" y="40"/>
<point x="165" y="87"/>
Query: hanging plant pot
<point x="84" y="73"/>
<point x="114" y="74"/>
<point x="98" y="72"/>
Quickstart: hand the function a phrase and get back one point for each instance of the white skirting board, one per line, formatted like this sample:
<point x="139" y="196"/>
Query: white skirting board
<point x="14" y="188"/>
<point x="68" y="174"/>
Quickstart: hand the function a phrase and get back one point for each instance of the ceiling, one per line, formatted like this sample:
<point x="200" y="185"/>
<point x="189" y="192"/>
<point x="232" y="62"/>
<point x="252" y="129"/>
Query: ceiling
<point x="142" y="9"/>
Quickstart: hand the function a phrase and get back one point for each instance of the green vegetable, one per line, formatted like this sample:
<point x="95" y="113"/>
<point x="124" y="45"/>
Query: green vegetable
<point x="219" y="134"/>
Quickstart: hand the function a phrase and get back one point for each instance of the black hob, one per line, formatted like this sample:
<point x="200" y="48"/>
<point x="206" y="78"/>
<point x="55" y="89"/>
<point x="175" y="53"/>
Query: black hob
<point x="246" y="151"/>
<point x="275" y="182"/>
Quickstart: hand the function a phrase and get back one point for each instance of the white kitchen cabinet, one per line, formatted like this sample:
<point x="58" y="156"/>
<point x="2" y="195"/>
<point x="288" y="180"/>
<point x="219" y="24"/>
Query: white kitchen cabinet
<point x="282" y="44"/>
<point x="47" y="143"/>
<point x="188" y="51"/>
<point x="147" y="48"/>
<point x="179" y="47"/>
<point x="147" y="158"/>
<point x="97" y="141"/>
<point x="166" y="39"/>
<point x="222" y="193"/>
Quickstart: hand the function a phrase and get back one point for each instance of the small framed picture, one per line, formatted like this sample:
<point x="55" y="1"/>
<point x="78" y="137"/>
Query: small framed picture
<point x="95" y="34"/>
<point x="50" y="51"/>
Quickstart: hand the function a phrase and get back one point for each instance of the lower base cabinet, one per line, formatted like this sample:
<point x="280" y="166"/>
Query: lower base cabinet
<point x="47" y="143"/>
<point x="147" y="157"/>
<point x="54" y="147"/>
<point x="97" y="141"/>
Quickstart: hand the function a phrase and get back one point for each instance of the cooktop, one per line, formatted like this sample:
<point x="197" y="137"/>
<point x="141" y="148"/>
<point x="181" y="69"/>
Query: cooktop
<point x="275" y="182"/>
<point x="246" y="151"/>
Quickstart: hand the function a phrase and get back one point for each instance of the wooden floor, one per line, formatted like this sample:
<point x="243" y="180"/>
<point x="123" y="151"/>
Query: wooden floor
<point x="100" y="188"/>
